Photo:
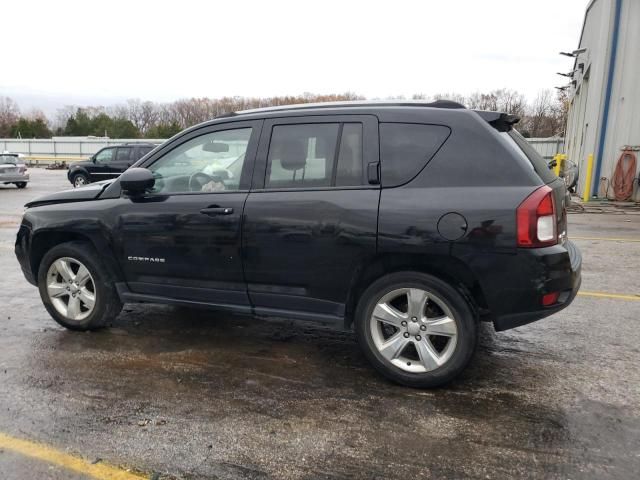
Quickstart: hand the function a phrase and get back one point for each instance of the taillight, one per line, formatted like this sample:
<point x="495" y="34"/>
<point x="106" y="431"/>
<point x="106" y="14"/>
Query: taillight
<point x="550" y="299"/>
<point x="536" y="218"/>
<point x="22" y="169"/>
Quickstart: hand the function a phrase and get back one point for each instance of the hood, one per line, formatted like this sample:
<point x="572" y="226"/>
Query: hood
<point x="80" y="163"/>
<point x="89" y="192"/>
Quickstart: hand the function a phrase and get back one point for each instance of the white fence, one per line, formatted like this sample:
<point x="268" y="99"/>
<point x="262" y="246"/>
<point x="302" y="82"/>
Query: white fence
<point x="47" y="151"/>
<point x="548" y="147"/>
<point x="43" y="151"/>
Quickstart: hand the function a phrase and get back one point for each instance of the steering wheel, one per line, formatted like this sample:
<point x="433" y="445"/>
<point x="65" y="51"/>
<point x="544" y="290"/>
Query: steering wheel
<point x="205" y="177"/>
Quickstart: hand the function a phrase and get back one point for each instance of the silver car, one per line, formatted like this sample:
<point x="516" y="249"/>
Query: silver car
<point x="13" y="170"/>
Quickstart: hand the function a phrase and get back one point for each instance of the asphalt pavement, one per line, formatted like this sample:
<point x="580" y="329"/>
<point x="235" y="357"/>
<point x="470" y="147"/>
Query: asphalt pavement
<point x="180" y="393"/>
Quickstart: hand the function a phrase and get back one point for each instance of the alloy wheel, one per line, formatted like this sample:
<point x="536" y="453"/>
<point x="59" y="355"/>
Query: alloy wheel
<point x="79" y="181"/>
<point x="414" y="330"/>
<point x="71" y="288"/>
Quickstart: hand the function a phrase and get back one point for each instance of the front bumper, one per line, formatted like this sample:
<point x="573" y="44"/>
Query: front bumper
<point x="22" y="250"/>
<point x="545" y="270"/>
<point x="14" y="178"/>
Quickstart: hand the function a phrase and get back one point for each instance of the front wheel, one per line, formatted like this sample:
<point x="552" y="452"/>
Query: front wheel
<point x="21" y="184"/>
<point x="80" y="179"/>
<point x="416" y="329"/>
<point x="75" y="288"/>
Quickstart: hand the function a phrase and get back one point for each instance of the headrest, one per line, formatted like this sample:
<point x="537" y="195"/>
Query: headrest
<point x="293" y="154"/>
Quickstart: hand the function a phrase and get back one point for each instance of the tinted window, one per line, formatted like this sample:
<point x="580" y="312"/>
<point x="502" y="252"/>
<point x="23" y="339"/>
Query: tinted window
<point x="142" y="151"/>
<point x="305" y="155"/>
<point x="349" y="169"/>
<point x="537" y="161"/>
<point x="209" y="163"/>
<point x="123" y="153"/>
<point x="405" y="148"/>
<point x="10" y="159"/>
<point x="105" y="156"/>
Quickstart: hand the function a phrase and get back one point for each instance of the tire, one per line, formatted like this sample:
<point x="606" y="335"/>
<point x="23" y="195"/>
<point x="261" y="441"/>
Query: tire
<point x="21" y="184"/>
<point x="56" y="290"/>
<point x="444" y="312"/>
<point x="80" y="179"/>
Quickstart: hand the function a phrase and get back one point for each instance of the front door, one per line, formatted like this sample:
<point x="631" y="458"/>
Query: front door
<point x="104" y="165"/>
<point x="311" y="217"/>
<point x="182" y="240"/>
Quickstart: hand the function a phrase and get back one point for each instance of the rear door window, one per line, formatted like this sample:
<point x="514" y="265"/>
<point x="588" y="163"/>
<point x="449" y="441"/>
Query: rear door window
<point x="123" y="154"/>
<point x="405" y="148"/>
<point x="315" y="155"/>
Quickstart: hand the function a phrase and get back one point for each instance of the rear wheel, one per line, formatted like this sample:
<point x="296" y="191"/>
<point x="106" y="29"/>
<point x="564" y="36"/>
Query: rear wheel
<point x="75" y="289"/>
<point x="21" y="184"/>
<point x="80" y="179"/>
<point x="416" y="329"/>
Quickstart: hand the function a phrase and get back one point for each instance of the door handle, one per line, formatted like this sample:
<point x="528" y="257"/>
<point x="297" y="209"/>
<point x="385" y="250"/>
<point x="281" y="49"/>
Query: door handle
<point x="217" y="211"/>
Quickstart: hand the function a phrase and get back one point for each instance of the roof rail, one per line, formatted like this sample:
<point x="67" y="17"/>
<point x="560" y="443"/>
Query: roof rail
<point x="352" y="103"/>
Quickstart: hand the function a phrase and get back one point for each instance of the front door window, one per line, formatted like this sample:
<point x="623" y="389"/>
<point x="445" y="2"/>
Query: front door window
<point x="212" y="162"/>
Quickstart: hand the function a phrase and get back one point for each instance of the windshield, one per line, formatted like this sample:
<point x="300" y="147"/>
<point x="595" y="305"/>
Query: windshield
<point x="12" y="159"/>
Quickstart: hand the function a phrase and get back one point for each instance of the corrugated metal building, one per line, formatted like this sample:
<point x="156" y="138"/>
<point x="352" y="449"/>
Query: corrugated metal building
<point x="604" y="114"/>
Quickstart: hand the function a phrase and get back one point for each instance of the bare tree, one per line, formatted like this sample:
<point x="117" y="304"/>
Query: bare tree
<point x="510" y="101"/>
<point x="143" y="115"/>
<point x="9" y="114"/>
<point x="454" y="97"/>
<point x="543" y="118"/>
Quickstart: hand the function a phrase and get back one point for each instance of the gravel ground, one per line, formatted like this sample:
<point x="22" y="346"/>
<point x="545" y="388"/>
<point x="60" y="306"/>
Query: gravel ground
<point x="198" y="394"/>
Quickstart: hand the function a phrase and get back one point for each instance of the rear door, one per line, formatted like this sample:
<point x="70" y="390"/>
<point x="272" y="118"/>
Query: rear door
<point x="311" y="217"/>
<point x="141" y="151"/>
<point x="124" y="159"/>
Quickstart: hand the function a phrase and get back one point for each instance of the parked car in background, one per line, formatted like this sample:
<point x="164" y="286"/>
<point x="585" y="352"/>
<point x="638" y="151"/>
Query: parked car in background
<point x="408" y="222"/>
<point x="107" y="163"/>
<point x="13" y="170"/>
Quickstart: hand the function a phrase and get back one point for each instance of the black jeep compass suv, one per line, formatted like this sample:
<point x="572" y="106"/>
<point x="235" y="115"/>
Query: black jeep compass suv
<point x="107" y="163"/>
<point x="408" y="222"/>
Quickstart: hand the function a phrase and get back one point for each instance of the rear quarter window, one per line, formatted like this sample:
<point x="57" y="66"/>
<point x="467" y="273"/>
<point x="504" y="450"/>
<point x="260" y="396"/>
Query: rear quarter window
<point x="405" y="149"/>
<point x="142" y="151"/>
<point x="538" y="163"/>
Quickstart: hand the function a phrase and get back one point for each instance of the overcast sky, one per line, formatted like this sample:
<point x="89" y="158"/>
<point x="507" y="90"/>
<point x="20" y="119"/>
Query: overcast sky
<point x="167" y="50"/>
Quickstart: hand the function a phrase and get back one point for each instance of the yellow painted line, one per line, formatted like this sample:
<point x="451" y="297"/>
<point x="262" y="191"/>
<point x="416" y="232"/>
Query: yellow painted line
<point x="607" y="239"/>
<point x="609" y="295"/>
<point x="64" y="460"/>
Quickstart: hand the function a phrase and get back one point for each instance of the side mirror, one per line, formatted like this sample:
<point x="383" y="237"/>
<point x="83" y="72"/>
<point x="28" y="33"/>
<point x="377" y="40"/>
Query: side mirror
<point x="136" y="181"/>
<point x="93" y="158"/>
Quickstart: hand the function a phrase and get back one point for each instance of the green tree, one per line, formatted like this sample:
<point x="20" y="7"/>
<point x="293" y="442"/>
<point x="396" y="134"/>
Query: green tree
<point x="164" y="130"/>
<point x="78" y="125"/>
<point x="84" y="123"/>
<point x="123" y="128"/>
<point x="34" y="128"/>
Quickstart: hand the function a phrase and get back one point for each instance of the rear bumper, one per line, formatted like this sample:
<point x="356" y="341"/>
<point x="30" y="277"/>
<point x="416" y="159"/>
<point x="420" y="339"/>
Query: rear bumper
<point x="506" y="322"/>
<point x="14" y="178"/>
<point x="540" y="271"/>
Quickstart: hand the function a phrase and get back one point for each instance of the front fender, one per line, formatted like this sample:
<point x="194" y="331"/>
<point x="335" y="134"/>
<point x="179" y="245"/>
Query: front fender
<point x="45" y="227"/>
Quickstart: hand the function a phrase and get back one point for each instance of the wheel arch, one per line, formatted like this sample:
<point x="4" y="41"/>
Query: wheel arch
<point x="44" y="241"/>
<point x="448" y="269"/>
<point x="79" y="170"/>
